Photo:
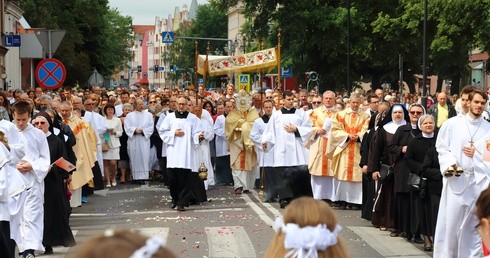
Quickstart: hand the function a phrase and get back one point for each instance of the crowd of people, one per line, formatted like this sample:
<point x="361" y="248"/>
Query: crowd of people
<point x="404" y="167"/>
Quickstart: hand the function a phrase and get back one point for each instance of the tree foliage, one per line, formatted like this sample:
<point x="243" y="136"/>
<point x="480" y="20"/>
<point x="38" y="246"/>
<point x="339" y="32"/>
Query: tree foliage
<point x="210" y="22"/>
<point x="314" y="36"/>
<point x="96" y="36"/>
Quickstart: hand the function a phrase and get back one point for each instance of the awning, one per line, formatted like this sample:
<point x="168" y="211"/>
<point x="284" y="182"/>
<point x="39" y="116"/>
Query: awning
<point x="143" y="81"/>
<point x="248" y="62"/>
<point x="476" y="65"/>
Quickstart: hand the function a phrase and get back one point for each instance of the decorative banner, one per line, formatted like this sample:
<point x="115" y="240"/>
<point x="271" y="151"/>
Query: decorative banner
<point x="248" y="62"/>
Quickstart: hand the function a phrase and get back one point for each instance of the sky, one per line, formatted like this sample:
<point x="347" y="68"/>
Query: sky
<point x="145" y="11"/>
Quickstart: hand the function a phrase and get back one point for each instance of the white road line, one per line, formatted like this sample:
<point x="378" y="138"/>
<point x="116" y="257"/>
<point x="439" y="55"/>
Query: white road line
<point x="396" y="247"/>
<point x="158" y="231"/>
<point x="267" y="205"/>
<point x="258" y="210"/>
<point x="149" y="212"/>
<point x="230" y="241"/>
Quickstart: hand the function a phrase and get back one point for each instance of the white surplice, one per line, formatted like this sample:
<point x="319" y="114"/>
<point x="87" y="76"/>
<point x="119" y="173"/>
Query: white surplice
<point x="13" y="139"/>
<point x="139" y="144"/>
<point x="456" y="235"/>
<point x="289" y="150"/>
<point x="26" y="226"/>
<point x="98" y="124"/>
<point x="5" y="169"/>
<point x="203" y="153"/>
<point x="180" y="150"/>
<point x="220" y="142"/>
<point x="266" y="159"/>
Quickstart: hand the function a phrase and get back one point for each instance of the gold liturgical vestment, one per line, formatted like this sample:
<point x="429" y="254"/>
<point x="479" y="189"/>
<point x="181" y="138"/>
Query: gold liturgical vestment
<point x="237" y="128"/>
<point x="318" y="162"/>
<point x="85" y="150"/>
<point x="345" y="154"/>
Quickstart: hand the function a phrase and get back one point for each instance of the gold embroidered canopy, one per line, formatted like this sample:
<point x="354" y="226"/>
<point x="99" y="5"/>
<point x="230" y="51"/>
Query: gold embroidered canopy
<point x="248" y="62"/>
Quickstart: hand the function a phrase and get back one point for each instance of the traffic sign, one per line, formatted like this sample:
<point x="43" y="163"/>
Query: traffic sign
<point x="201" y="81"/>
<point x="244" y="82"/>
<point x="168" y="37"/>
<point x="50" y="73"/>
<point x="11" y="40"/>
<point x="287" y="71"/>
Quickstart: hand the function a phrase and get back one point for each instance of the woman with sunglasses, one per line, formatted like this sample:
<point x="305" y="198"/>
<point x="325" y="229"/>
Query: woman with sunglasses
<point x="57" y="230"/>
<point x="404" y="221"/>
<point x="421" y="210"/>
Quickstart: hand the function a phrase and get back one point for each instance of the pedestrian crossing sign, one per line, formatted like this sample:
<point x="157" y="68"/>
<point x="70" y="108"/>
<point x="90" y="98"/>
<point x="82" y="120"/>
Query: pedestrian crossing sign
<point x="168" y="37"/>
<point x="244" y="82"/>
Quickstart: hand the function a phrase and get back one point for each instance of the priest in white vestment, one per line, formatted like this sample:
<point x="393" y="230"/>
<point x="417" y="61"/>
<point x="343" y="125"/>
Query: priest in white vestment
<point x="462" y="141"/>
<point x="203" y="153"/>
<point x="6" y="170"/>
<point x="344" y="148"/>
<point x="28" y="223"/>
<point x="138" y="125"/>
<point x="287" y="132"/>
<point x="98" y="124"/>
<point x="243" y="157"/>
<point x="319" y="165"/>
<point x="180" y="131"/>
<point x="266" y="159"/>
<point x="222" y="173"/>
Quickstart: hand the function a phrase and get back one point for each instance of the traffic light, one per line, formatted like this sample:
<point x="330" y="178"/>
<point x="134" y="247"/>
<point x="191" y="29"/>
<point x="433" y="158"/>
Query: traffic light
<point x="172" y="68"/>
<point x="155" y="68"/>
<point x="139" y="68"/>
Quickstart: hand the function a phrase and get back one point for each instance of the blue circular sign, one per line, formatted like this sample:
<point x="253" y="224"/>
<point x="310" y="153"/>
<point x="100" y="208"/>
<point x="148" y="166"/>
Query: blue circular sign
<point x="50" y="74"/>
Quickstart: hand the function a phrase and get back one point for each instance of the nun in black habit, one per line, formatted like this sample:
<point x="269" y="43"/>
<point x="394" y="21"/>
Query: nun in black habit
<point x="57" y="230"/>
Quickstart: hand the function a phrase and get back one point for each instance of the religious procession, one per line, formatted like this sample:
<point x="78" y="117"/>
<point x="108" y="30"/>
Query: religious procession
<point x="412" y="172"/>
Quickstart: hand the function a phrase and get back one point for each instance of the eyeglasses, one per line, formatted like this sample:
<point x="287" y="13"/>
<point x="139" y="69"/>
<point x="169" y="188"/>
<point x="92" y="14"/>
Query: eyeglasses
<point x="416" y="112"/>
<point x="42" y="123"/>
<point x="152" y="102"/>
<point x="316" y="102"/>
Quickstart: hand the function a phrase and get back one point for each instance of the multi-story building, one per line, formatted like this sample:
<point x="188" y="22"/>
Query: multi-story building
<point x="10" y="65"/>
<point x="150" y="64"/>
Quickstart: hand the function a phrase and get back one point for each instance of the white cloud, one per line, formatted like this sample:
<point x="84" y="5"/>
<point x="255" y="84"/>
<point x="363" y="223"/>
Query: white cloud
<point x="145" y="11"/>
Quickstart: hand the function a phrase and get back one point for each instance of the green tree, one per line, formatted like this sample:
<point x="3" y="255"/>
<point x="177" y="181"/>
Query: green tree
<point x="210" y="22"/>
<point x="96" y="36"/>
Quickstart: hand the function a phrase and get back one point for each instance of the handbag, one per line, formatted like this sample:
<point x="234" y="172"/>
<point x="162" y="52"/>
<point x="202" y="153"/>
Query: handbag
<point x="105" y="146"/>
<point x="414" y="181"/>
<point x="105" y="143"/>
<point x="385" y="171"/>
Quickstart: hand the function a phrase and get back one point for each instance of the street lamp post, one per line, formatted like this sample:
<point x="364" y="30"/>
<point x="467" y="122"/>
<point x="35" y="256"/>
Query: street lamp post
<point x="424" y="59"/>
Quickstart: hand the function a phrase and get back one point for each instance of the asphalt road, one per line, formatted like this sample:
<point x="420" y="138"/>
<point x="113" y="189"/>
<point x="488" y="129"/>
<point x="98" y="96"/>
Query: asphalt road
<point x="225" y="226"/>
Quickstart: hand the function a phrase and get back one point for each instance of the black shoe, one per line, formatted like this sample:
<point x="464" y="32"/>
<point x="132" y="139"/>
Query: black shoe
<point x="173" y="205"/>
<point x="418" y="240"/>
<point x="181" y="208"/>
<point x="343" y="206"/>
<point x="48" y="249"/>
<point x="283" y="204"/>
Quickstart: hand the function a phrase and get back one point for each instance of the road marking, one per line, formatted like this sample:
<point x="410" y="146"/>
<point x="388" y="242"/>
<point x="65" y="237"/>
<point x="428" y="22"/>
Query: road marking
<point x="139" y="189"/>
<point x="258" y="210"/>
<point x="229" y="242"/>
<point x="149" y="212"/>
<point x="161" y="232"/>
<point x="396" y="247"/>
<point x="267" y="205"/>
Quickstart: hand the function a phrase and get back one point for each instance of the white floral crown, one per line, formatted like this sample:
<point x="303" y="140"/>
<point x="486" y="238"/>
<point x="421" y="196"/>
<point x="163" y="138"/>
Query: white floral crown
<point x="305" y="242"/>
<point x="150" y="248"/>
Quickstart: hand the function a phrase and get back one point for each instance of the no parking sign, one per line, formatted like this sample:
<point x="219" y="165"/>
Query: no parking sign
<point x="50" y="74"/>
